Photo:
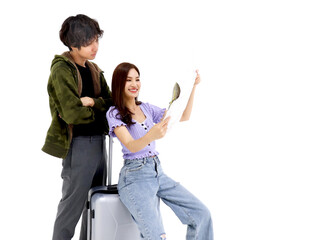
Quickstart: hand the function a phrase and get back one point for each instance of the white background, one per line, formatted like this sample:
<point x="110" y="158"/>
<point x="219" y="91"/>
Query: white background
<point x="251" y="149"/>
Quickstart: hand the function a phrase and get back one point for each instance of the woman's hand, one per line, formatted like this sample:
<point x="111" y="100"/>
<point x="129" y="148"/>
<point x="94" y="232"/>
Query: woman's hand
<point x="159" y="130"/>
<point x="198" y="79"/>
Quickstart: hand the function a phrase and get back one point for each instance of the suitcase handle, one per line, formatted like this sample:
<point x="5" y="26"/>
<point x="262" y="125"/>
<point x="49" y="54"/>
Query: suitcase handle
<point x="109" y="162"/>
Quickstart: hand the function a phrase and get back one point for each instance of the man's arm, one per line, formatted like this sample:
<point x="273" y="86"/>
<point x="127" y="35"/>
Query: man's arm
<point x="104" y="102"/>
<point x="64" y="91"/>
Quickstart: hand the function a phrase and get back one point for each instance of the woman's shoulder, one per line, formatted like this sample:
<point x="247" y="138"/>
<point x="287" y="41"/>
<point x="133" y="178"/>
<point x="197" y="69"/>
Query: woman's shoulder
<point x="151" y="108"/>
<point x="147" y="105"/>
<point x="112" y="112"/>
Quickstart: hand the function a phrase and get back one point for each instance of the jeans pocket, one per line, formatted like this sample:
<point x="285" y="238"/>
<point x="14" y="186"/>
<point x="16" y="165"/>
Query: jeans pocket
<point x="134" y="166"/>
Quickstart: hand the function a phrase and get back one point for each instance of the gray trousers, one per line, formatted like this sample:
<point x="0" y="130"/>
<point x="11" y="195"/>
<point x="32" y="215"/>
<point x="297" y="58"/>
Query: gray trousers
<point x="83" y="168"/>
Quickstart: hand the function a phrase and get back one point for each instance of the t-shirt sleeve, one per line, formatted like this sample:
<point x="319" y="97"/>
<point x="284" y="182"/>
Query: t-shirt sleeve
<point x="113" y="121"/>
<point x="156" y="112"/>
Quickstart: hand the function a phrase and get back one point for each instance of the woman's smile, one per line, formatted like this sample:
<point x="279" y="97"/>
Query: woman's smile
<point x="133" y="90"/>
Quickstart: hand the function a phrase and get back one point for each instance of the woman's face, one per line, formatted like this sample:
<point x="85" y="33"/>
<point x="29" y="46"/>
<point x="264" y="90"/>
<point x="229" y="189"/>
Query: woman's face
<point x="132" y="87"/>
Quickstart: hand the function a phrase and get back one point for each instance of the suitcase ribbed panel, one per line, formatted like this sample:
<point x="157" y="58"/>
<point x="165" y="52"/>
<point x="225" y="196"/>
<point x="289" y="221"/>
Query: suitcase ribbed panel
<point x="111" y="219"/>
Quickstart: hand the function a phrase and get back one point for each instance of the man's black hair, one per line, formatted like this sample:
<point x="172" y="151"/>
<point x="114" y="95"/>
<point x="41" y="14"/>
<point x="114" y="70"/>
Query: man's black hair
<point x="79" y="31"/>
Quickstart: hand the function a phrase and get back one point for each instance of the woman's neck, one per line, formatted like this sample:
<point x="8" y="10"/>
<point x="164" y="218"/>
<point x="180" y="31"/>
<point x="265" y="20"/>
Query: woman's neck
<point x="131" y="104"/>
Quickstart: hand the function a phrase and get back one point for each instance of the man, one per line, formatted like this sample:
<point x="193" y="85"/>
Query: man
<point x="79" y="98"/>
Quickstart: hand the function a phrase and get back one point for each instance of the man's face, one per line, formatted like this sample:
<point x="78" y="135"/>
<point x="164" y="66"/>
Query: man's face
<point x="88" y="52"/>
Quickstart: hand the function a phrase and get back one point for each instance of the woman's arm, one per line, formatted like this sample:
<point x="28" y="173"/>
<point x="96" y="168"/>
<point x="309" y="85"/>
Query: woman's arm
<point x="156" y="132"/>
<point x="187" y="111"/>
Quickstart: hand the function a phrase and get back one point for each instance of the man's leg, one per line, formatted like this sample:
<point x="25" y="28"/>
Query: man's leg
<point x="79" y="168"/>
<point x="98" y="180"/>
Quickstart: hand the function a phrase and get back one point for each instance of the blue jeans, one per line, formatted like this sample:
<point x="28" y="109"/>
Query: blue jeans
<point x="142" y="184"/>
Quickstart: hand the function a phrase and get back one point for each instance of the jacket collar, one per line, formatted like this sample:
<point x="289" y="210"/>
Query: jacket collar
<point x="95" y="73"/>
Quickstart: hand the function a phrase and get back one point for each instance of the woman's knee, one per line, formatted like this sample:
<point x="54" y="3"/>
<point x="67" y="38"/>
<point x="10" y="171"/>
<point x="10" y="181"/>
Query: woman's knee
<point x="204" y="214"/>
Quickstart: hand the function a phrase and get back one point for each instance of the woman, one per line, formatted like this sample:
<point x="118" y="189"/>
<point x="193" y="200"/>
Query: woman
<point x="142" y="181"/>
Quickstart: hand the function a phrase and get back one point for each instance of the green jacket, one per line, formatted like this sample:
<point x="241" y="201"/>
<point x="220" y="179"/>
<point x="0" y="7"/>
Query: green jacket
<point x="64" y="89"/>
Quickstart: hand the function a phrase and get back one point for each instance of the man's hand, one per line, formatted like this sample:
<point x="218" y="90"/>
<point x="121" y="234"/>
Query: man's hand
<point x="87" y="101"/>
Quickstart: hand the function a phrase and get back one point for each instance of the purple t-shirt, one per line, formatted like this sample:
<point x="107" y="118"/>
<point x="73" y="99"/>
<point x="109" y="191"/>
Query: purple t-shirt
<point x="153" y="115"/>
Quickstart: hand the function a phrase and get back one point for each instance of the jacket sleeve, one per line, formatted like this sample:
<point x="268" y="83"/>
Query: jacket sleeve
<point x="64" y="91"/>
<point x="104" y="102"/>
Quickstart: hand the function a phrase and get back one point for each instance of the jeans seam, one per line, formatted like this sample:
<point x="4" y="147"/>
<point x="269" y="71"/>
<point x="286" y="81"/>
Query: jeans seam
<point x="138" y="212"/>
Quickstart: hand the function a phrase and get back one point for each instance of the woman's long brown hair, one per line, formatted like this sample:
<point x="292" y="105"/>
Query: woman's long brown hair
<point x="118" y="83"/>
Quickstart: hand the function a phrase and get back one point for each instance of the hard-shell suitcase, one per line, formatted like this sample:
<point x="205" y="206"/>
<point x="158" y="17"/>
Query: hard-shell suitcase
<point x="108" y="218"/>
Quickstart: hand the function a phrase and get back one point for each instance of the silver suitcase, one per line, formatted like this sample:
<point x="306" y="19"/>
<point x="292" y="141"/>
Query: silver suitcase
<point x="108" y="218"/>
